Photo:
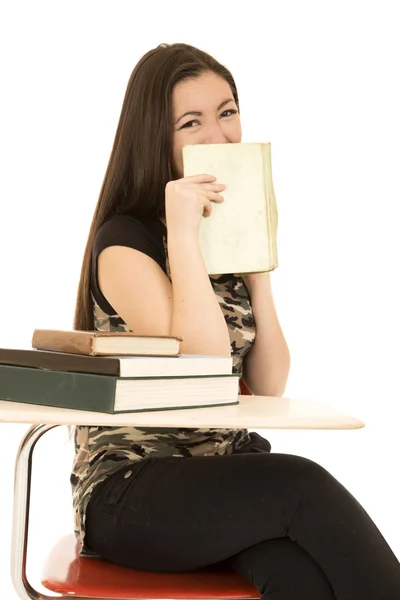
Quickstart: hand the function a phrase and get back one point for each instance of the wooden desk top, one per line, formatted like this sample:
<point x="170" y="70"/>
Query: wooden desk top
<point x="252" y="412"/>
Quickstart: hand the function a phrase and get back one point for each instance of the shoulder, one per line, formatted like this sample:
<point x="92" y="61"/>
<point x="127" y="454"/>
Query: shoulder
<point x="139" y="233"/>
<point x="123" y="230"/>
<point x="145" y="235"/>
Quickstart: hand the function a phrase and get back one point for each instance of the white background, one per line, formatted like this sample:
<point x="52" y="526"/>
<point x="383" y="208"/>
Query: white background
<point x="320" y="81"/>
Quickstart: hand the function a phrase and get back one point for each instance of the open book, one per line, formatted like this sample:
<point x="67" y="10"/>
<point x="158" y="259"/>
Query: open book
<point x="240" y="235"/>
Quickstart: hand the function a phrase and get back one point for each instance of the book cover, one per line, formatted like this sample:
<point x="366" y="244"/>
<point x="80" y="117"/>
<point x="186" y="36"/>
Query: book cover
<point x="105" y="343"/>
<point x="240" y="235"/>
<point x="118" y="366"/>
<point x="100" y="393"/>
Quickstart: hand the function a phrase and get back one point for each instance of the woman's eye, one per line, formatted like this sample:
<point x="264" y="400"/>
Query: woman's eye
<point x="189" y="124"/>
<point x="227" y="113"/>
<point x="231" y="111"/>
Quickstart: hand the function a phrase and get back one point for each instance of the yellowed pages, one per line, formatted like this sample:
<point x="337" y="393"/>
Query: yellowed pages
<point x="240" y="235"/>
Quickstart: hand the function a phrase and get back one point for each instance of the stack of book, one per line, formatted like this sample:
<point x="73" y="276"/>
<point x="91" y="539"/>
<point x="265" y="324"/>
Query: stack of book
<point x="113" y="373"/>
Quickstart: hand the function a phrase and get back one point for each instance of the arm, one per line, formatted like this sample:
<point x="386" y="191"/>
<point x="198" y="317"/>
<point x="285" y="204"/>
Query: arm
<point x="266" y="366"/>
<point x="196" y="315"/>
<point x="142" y="295"/>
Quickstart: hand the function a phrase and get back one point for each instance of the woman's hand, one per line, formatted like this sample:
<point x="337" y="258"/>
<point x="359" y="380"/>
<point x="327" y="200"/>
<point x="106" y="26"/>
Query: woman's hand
<point x="188" y="199"/>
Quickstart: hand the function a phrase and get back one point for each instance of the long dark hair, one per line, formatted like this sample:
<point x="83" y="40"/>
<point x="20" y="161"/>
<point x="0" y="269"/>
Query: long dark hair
<point x="140" y="163"/>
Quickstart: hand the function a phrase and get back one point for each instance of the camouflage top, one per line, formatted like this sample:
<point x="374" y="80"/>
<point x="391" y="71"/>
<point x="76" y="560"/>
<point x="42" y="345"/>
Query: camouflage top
<point x="101" y="451"/>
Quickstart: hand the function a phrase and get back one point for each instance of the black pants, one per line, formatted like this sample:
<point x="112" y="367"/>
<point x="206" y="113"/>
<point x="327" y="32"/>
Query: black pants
<point x="281" y="520"/>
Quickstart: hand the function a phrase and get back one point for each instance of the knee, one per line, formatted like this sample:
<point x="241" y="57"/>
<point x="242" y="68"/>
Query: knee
<point x="280" y="568"/>
<point x="308" y="473"/>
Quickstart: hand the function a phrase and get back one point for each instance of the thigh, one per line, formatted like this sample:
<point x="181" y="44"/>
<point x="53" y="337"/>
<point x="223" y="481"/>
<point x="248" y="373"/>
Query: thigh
<point x="180" y="514"/>
<point x="280" y="568"/>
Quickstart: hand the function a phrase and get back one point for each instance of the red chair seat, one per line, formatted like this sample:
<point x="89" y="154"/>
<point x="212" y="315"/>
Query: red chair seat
<point x="66" y="572"/>
<point x="244" y="390"/>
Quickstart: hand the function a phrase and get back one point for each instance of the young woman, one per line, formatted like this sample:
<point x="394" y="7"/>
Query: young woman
<point x="180" y="499"/>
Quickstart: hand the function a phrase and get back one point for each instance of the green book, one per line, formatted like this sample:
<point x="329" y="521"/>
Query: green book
<point x="108" y="394"/>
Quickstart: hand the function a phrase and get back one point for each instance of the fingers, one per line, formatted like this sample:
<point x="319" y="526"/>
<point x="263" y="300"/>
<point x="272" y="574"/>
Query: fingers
<point x="211" y="197"/>
<point x="197" y="191"/>
<point x="213" y="187"/>
<point x="203" y="178"/>
<point x="214" y="197"/>
<point x="207" y="182"/>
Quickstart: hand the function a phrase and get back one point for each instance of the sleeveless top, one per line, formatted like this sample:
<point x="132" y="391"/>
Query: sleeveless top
<point x="102" y="451"/>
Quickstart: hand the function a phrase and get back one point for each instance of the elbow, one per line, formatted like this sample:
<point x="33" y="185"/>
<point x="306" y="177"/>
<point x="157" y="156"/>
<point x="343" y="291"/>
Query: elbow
<point x="278" y="391"/>
<point x="263" y="383"/>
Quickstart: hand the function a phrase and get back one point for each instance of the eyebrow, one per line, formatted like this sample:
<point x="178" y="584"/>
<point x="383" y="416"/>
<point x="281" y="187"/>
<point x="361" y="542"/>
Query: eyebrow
<point x="197" y="113"/>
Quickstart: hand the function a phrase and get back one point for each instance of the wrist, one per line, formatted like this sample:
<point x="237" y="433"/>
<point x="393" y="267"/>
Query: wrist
<point x="182" y="235"/>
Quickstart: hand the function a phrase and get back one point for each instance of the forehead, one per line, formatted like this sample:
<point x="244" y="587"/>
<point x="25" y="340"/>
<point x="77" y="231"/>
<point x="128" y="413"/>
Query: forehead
<point x="205" y="90"/>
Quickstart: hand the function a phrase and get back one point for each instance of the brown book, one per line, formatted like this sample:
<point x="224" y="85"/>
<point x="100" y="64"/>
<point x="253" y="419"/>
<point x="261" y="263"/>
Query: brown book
<point x="105" y="343"/>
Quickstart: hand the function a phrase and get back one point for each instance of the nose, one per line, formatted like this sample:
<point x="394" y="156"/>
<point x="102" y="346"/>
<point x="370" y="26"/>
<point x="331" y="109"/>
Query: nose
<point x="215" y="135"/>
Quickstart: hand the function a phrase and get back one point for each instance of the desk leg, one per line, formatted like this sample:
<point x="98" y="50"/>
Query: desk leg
<point x="22" y="490"/>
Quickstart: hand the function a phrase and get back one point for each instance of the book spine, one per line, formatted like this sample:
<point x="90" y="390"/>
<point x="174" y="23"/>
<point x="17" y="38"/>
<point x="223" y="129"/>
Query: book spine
<point x="78" y="391"/>
<point x="76" y="343"/>
<point x="60" y="361"/>
<point x="271" y="212"/>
